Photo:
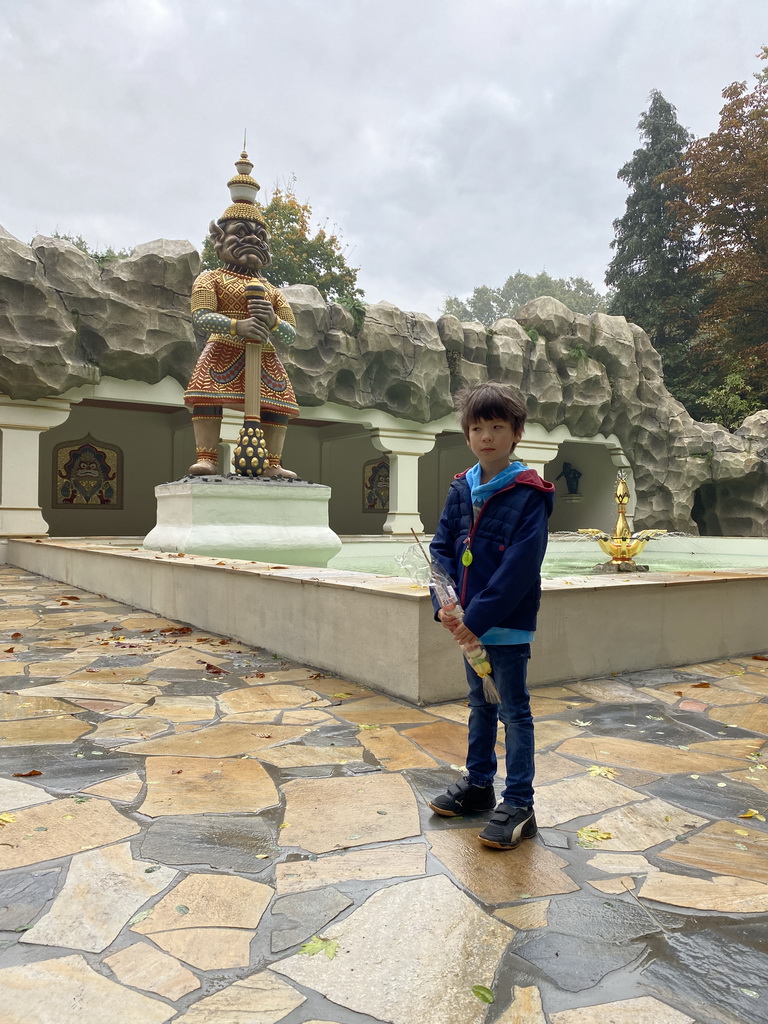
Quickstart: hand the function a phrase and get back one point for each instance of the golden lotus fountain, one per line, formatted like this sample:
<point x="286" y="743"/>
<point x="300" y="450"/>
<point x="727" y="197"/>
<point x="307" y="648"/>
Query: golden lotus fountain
<point x="623" y="545"/>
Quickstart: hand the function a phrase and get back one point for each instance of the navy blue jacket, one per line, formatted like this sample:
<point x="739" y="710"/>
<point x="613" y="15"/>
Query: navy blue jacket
<point x="508" y="538"/>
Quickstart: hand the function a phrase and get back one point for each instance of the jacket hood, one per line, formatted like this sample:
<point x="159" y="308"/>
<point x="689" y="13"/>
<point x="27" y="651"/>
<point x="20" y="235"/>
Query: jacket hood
<point x="528" y="478"/>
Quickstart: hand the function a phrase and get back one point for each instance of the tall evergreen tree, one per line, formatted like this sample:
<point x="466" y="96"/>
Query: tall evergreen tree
<point x="654" y="272"/>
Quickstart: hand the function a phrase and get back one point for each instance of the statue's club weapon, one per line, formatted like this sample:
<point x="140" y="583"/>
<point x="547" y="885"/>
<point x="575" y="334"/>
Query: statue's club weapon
<point x="250" y="457"/>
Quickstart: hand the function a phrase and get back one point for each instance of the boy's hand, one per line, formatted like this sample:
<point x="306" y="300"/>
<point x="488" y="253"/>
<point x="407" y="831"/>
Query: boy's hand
<point x="449" y="621"/>
<point x="463" y="636"/>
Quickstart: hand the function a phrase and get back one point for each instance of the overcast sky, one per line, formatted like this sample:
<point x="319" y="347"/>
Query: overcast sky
<point x="453" y="142"/>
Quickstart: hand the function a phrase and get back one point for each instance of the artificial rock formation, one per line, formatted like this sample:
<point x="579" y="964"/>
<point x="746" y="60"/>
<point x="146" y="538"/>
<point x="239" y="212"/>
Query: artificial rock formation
<point x="64" y="321"/>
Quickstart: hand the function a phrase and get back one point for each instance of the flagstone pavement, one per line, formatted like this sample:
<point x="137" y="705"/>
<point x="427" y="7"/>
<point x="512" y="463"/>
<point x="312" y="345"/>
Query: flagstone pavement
<point x="193" y="830"/>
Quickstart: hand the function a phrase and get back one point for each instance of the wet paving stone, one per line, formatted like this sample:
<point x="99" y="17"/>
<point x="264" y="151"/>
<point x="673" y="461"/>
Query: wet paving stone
<point x="402" y="975"/>
<point x="495" y="877"/>
<point x="68" y="991"/>
<point x="142" y="966"/>
<point x="225" y="842"/>
<point x="643" y="1010"/>
<point x="716" y="796"/>
<point x="203" y="785"/>
<point x="62" y="771"/>
<point x="720" y="970"/>
<point x="301" y="916"/>
<point x="102" y="890"/>
<point x="201" y="905"/>
<point x="23" y="896"/>
<point x="576" y="966"/>
<point x="386" y="862"/>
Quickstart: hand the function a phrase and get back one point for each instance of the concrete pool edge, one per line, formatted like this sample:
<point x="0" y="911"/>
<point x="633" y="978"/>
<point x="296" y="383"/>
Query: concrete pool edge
<point x="380" y="631"/>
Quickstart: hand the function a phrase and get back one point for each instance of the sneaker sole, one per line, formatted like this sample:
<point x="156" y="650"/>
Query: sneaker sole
<point x="459" y="814"/>
<point x="444" y="813"/>
<point x="506" y="846"/>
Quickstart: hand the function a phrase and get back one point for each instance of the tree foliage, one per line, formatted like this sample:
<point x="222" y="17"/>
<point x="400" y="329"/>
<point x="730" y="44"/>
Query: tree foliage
<point x="655" y="270"/>
<point x="101" y="256"/>
<point x="300" y="254"/>
<point x="487" y="305"/>
<point x="723" y="180"/>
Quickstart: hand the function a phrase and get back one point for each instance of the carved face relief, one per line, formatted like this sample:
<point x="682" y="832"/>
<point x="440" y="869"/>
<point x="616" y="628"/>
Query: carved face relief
<point x="86" y="468"/>
<point x="242" y="242"/>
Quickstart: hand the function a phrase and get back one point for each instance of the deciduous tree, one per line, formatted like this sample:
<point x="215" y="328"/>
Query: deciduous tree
<point x="489" y="304"/>
<point x="724" y="180"/>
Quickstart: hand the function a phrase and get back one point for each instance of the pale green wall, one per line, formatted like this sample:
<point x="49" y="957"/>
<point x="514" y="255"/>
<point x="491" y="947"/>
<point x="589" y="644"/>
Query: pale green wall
<point x="343" y="459"/>
<point x="597" y="509"/>
<point x="302" y="452"/>
<point x="146" y="439"/>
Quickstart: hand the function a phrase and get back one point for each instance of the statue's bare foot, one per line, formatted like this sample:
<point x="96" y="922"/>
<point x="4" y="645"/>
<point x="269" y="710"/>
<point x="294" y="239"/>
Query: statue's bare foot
<point x="273" y="471"/>
<point x="203" y="467"/>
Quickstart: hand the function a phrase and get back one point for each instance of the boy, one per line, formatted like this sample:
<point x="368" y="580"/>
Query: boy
<point x="491" y="541"/>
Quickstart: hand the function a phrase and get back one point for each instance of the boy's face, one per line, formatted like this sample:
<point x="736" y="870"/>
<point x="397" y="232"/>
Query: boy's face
<point x="492" y="442"/>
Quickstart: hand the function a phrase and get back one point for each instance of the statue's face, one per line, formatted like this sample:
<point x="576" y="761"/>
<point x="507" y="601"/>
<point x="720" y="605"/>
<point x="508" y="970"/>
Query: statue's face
<point x="243" y="242"/>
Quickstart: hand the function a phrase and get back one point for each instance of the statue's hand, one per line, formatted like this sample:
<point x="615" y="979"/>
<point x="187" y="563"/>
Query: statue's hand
<point x="251" y="330"/>
<point x="263" y="311"/>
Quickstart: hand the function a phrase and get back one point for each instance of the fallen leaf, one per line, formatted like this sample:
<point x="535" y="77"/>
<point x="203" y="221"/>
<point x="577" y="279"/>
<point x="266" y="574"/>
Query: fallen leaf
<point x="148" y="871"/>
<point x="176" y="631"/>
<point x="7" y="818"/>
<point x="260" y="856"/>
<point x="483" y="994"/>
<point x="181" y="909"/>
<point x="141" y="916"/>
<point x="15" y="636"/>
<point x="26" y="775"/>
<point x="700" y="686"/>
<point x="759" y="657"/>
<point x="578" y="721"/>
<point x="722" y="785"/>
<point x="741" y="832"/>
<point x="591" y="834"/>
<point x="284" y="825"/>
<point x="177" y="771"/>
<point x="678" y="693"/>
<point x="752" y="813"/>
<point x="317" y="945"/>
<point x="602" y="770"/>
<point x="336" y="696"/>
<point x="214" y="669"/>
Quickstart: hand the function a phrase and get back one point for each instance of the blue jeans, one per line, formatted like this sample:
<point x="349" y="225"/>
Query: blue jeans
<point x="509" y="664"/>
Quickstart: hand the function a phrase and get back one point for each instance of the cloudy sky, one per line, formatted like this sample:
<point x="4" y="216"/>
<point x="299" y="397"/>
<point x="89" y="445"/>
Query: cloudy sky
<point x="452" y="142"/>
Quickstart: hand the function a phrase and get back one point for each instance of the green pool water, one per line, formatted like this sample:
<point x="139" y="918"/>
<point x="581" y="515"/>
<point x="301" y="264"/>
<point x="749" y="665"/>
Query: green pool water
<point x="569" y="556"/>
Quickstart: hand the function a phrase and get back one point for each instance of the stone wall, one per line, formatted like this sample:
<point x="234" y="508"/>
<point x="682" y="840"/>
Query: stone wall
<point x="64" y="321"/>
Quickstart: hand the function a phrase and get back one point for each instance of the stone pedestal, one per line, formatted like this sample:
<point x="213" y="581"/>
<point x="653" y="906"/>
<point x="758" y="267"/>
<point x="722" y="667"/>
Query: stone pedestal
<point x="237" y="517"/>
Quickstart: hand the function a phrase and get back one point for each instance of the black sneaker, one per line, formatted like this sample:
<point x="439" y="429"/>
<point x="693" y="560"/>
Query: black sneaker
<point x="508" y="827"/>
<point x="463" y="798"/>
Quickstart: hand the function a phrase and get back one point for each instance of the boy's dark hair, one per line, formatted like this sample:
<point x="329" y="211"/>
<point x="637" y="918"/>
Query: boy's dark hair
<point x="490" y="401"/>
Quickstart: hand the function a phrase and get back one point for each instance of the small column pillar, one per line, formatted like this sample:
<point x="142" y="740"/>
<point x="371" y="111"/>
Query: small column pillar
<point x="536" y="454"/>
<point x="21" y="424"/>
<point x="405" y="448"/>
